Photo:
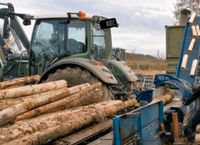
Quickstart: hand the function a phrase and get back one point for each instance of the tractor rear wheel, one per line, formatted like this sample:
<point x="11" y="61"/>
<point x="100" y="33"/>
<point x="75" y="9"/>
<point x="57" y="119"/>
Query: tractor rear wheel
<point x="75" y="76"/>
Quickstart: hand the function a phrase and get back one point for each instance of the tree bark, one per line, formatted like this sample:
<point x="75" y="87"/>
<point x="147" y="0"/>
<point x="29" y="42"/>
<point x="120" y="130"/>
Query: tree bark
<point x="31" y="89"/>
<point x="85" y="117"/>
<point x="68" y="102"/>
<point x="19" y="81"/>
<point x="9" y="114"/>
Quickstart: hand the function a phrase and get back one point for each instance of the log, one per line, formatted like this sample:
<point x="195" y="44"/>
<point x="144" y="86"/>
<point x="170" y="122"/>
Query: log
<point x="85" y="134"/>
<point x="191" y="20"/>
<point x="79" y="120"/>
<point x="14" y="101"/>
<point x="198" y="30"/>
<point x="96" y="97"/>
<point x="19" y="81"/>
<point x="194" y="32"/>
<point x="5" y="103"/>
<point x="193" y="69"/>
<point x="22" y="128"/>
<point x="166" y="99"/>
<point x="9" y="114"/>
<point x="31" y="89"/>
<point x="191" y="46"/>
<point x="71" y="101"/>
<point x="184" y="61"/>
<point x="26" y="127"/>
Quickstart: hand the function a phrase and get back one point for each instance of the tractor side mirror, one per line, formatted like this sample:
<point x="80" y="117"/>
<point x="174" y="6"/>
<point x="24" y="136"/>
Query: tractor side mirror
<point x="6" y="28"/>
<point x="27" y="22"/>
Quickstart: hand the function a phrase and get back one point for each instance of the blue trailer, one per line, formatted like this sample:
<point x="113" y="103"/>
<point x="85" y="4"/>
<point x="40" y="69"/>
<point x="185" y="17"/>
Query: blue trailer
<point x="140" y="126"/>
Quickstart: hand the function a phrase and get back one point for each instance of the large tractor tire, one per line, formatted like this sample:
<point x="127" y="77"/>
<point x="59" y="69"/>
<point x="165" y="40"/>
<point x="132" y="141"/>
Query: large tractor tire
<point x="75" y="76"/>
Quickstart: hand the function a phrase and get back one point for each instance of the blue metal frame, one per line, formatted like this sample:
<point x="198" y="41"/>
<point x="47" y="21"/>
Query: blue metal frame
<point x="185" y="74"/>
<point x="140" y="125"/>
<point x="145" y="96"/>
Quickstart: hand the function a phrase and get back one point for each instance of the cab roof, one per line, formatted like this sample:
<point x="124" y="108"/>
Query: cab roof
<point x="79" y="15"/>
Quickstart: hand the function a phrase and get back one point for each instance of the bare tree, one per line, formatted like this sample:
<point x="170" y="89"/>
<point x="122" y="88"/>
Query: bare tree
<point x="158" y="53"/>
<point x="192" y="5"/>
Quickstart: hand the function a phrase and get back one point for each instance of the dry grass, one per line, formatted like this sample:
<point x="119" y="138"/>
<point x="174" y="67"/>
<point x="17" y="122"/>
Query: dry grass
<point x="143" y="62"/>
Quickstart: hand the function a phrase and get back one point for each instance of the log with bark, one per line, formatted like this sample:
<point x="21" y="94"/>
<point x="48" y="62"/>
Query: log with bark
<point x="5" y="103"/>
<point x="166" y="99"/>
<point x="23" y="128"/>
<point x="20" y="128"/>
<point x="62" y="126"/>
<point x="71" y="101"/>
<point x="31" y="89"/>
<point x="85" y="134"/>
<point x="9" y="114"/>
<point x="19" y="82"/>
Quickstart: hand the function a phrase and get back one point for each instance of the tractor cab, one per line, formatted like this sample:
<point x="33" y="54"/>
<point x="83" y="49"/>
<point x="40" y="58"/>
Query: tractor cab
<point x="69" y="35"/>
<point x="74" y="47"/>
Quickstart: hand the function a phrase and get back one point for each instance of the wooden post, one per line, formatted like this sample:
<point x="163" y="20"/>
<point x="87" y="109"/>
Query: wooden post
<point x="175" y="127"/>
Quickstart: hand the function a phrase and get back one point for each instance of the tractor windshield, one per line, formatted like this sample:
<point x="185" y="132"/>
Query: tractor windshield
<point x="54" y="38"/>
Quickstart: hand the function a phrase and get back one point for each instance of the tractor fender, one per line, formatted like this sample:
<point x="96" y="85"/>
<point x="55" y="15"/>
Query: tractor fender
<point x="100" y="70"/>
<point x="121" y="69"/>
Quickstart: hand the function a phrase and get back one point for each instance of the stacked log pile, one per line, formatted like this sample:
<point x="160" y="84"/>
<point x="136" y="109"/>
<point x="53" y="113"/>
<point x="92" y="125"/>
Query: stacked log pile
<point x="40" y="113"/>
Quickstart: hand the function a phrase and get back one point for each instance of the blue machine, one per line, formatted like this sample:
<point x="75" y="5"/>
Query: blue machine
<point x="140" y="126"/>
<point x="182" y="85"/>
<point x="184" y="81"/>
<point x="145" y="96"/>
<point x="194" y="54"/>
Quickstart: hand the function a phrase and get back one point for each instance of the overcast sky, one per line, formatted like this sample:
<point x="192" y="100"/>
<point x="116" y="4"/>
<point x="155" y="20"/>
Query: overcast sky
<point x="141" y="22"/>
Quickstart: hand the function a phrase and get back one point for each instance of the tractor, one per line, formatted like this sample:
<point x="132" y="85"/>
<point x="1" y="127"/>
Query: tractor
<point x="75" y="47"/>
